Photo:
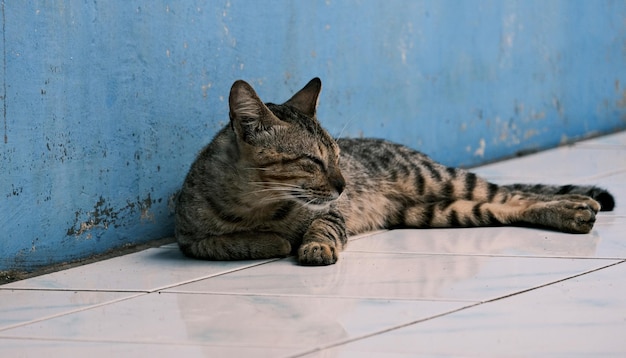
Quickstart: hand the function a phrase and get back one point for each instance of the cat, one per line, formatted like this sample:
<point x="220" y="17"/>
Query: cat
<point x="273" y="183"/>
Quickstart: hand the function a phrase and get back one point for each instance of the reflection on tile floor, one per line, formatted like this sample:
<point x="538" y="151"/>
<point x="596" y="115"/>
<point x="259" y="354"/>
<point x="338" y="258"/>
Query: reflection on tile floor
<point x="398" y="293"/>
<point x="148" y="271"/>
<point x="400" y="276"/>
<point x="583" y="317"/>
<point x="288" y="322"/>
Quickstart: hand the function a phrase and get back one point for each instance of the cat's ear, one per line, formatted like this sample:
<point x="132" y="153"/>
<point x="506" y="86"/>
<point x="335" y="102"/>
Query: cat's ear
<point x="249" y="116"/>
<point x="306" y="99"/>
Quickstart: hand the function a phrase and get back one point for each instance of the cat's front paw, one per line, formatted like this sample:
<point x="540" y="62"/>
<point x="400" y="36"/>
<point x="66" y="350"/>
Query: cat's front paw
<point x="317" y="254"/>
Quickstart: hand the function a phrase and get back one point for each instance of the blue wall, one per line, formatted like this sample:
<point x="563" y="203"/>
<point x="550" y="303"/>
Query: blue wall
<point x="105" y="104"/>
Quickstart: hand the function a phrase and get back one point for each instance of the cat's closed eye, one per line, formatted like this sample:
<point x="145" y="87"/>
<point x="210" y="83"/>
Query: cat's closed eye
<point x="309" y="167"/>
<point x="312" y="164"/>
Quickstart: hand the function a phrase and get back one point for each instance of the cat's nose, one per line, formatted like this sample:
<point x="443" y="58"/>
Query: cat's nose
<point x="338" y="182"/>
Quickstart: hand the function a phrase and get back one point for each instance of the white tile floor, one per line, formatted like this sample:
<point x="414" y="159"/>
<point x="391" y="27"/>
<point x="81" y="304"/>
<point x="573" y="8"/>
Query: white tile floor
<point x="453" y="292"/>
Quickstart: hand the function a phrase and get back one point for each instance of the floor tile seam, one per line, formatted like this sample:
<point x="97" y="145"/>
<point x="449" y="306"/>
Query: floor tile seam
<point x="73" y="289"/>
<point x="73" y="311"/>
<point x="606" y="146"/>
<point x="118" y="341"/>
<point x="591" y="145"/>
<point x="601" y="217"/>
<point x="338" y="297"/>
<point x="382" y="331"/>
<point x="363" y="235"/>
<point x="538" y="176"/>
<point x="602" y="175"/>
<point x="563" y="257"/>
<point x="222" y="273"/>
<point x="599" y="141"/>
<point x="564" y="279"/>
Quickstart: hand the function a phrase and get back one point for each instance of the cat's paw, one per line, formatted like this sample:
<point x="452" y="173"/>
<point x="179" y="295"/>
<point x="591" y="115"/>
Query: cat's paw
<point x="593" y="204"/>
<point x="579" y="216"/>
<point x="583" y="199"/>
<point x="576" y="217"/>
<point x="317" y="254"/>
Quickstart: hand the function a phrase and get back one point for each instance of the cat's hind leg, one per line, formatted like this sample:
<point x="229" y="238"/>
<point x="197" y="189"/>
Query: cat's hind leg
<point x="566" y="215"/>
<point x="606" y="199"/>
<point x="235" y="246"/>
<point x="572" y="213"/>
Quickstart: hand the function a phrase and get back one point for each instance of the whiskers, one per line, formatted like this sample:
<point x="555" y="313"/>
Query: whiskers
<point x="281" y="188"/>
<point x="271" y="193"/>
<point x="256" y="168"/>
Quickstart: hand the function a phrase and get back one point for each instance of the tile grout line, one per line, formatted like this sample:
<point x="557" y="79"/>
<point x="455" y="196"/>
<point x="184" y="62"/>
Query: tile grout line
<point x="622" y="261"/>
<point x="584" y="180"/>
<point x="562" y="257"/>
<point x="390" y="329"/>
<point x="115" y="341"/>
<point x="213" y="275"/>
<point x="365" y="234"/>
<point x="603" y="175"/>
<point x="70" y="289"/>
<point x="60" y="314"/>
<point x="342" y="297"/>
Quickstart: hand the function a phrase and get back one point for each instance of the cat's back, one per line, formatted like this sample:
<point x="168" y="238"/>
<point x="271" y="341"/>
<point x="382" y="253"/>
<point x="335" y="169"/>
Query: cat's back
<point x="379" y="155"/>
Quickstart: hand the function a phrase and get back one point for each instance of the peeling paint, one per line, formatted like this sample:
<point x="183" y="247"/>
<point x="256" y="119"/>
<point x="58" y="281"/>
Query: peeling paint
<point x="145" y="206"/>
<point x="530" y="133"/>
<point x="405" y="41"/>
<point x="480" y="151"/>
<point x="205" y="89"/>
<point x="538" y="115"/>
<point x="104" y="216"/>
<point x="171" y="203"/>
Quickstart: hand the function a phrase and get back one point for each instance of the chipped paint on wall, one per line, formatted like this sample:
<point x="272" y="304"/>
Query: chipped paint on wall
<point x="103" y="216"/>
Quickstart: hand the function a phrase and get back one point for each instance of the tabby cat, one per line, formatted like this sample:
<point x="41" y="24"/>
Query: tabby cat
<point x="273" y="183"/>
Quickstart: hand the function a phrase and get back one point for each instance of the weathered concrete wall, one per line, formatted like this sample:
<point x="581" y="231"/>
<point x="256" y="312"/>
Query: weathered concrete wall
<point x="105" y="104"/>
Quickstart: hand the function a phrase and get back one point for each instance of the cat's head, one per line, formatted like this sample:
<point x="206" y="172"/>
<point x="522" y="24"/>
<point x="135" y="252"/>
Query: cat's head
<point x="293" y="156"/>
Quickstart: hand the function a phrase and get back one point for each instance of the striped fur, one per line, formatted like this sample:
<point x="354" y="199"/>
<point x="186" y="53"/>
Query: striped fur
<point x="274" y="183"/>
